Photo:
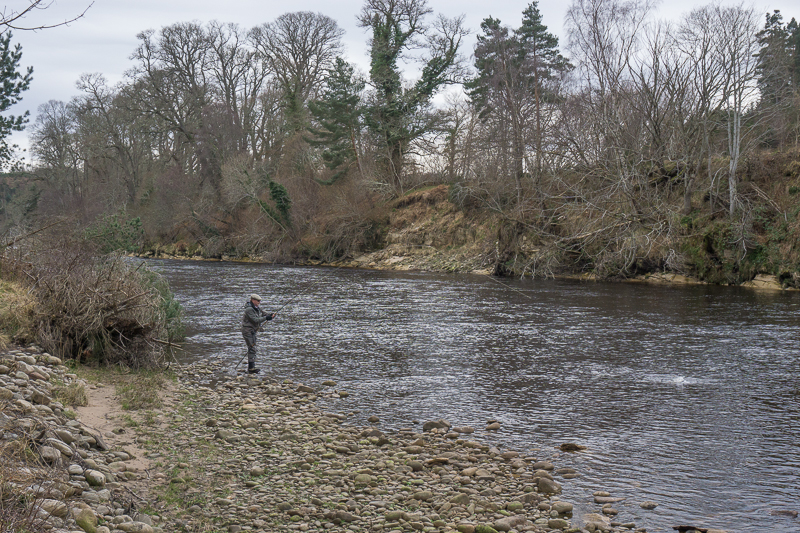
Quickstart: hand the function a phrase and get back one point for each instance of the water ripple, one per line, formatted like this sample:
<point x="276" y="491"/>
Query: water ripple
<point x="685" y="396"/>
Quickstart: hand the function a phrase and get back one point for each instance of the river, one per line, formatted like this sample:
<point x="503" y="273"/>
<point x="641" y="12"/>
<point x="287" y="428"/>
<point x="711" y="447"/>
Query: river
<point x="686" y="396"/>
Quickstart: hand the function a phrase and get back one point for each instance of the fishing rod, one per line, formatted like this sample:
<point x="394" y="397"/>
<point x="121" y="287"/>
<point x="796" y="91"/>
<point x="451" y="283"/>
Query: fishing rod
<point x="305" y="290"/>
<point x="295" y="297"/>
<point x="526" y="295"/>
<point x="509" y="287"/>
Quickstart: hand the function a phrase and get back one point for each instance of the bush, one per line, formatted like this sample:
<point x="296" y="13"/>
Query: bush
<point x="103" y="308"/>
<point x="112" y="235"/>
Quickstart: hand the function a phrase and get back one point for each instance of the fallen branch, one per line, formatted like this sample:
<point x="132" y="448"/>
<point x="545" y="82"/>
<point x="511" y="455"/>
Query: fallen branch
<point x="170" y="344"/>
<point x="15" y="240"/>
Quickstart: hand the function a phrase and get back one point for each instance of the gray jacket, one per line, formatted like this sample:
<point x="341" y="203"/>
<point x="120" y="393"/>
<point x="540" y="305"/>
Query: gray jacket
<point x="253" y="318"/>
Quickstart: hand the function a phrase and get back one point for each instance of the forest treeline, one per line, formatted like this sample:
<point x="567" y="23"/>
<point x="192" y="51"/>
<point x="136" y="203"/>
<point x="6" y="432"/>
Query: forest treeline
<point x="636" y="145"/>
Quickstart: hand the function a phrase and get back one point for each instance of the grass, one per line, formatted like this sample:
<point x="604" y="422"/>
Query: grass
<point x="136" y="390"/>
<point x="73" y="394"/>
<point x="16" y="308"/>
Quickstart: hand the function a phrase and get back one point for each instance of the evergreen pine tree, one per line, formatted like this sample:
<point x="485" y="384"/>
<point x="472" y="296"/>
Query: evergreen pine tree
<point x="337" y="115"/>
<point x="539" y="51"/>
<point x="513" y="74"/>
<point x="539" y="48"/>
<point x="494" y="49"/>
<point x="776" y="59"/>
<point x="13" y="83"/>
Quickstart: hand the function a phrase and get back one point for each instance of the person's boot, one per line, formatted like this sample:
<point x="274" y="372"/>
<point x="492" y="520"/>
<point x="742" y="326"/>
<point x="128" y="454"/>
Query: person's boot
<point x="251" y="368"/>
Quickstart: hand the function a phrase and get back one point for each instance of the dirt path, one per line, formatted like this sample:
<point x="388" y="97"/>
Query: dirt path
<point x="105" y="415"/>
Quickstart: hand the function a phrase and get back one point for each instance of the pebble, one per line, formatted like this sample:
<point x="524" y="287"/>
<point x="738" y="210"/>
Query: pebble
<point x="245" y="454"/>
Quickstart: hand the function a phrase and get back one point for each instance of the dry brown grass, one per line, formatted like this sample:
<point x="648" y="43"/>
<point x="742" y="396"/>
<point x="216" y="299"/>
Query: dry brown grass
<point x="16" y="313"/>
<point x="73" y="394"/>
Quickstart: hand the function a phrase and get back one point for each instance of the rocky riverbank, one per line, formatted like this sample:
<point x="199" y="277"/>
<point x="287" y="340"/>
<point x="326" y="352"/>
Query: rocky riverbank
<point x="241" y="454"/>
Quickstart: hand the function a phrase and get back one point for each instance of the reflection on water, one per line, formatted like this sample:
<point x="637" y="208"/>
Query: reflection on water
<point x="685" y="396"/>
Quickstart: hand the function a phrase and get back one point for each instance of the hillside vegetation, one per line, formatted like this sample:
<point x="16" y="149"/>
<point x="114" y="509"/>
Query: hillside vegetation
<point x="637" y="146"/>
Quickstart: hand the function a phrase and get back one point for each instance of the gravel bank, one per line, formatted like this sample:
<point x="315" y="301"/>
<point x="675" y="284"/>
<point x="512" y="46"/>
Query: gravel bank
<point x="240" y="454"/>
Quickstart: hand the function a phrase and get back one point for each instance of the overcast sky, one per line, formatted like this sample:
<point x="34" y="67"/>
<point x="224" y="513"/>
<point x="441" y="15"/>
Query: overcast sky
<point x="103" y="40"/>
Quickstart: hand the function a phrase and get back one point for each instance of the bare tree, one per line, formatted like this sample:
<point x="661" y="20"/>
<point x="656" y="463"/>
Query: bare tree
<point x="604" y="37"/>
<point x="737" y="50"/>
<point x="171" y="83"/>
<point x="119" y="141"/>
<point x="696" y="39"/>
<point x="237" y="77"/>
<point x="11" y="18"/>
<point x="299" y="48"/>
<point x="54" y="145"/>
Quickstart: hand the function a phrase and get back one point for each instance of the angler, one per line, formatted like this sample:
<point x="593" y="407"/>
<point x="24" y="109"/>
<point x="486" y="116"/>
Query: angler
<point x="251" y="323"/>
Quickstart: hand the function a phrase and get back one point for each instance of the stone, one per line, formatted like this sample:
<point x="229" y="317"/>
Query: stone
<point x="607" y="499"/>
<point x="530" y="498"/>
<point x="562" y="507"/>
<point x="135" y="527"/>
<point x="548" y="486"/>
<point x="50" y="454"/>
<point x="571" y="447"/>
<point x="54" y="507"/>
<point x="494" y="426"/>
<point x="95" y="478"/>
<point x="436" y="424"/>
<point x="510" y="522"/>
<point x="344" y="516"/>
<point x="39" y="398"/>
<point x="146" y="519"/>
<point x="466" y="528"/>
<point x="117" y="466"/>
<point x="460" y="499"/>
<point x="60" y="446"/>
<point x="648" y="505"/>
<point x="87" y="520"/>
<point x="64" y="435"/>
<point x="482" y="474"/>
<point x="224" y="434"/>
<point x="557" y="523"/>
<point x="416" y="466"/>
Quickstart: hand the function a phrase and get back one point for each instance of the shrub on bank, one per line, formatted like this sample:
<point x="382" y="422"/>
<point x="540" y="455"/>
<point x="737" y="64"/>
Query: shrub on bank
<point x="90" y="307"/>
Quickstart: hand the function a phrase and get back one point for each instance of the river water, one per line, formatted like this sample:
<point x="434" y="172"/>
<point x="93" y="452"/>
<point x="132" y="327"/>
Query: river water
<point x="686" y="396"/>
